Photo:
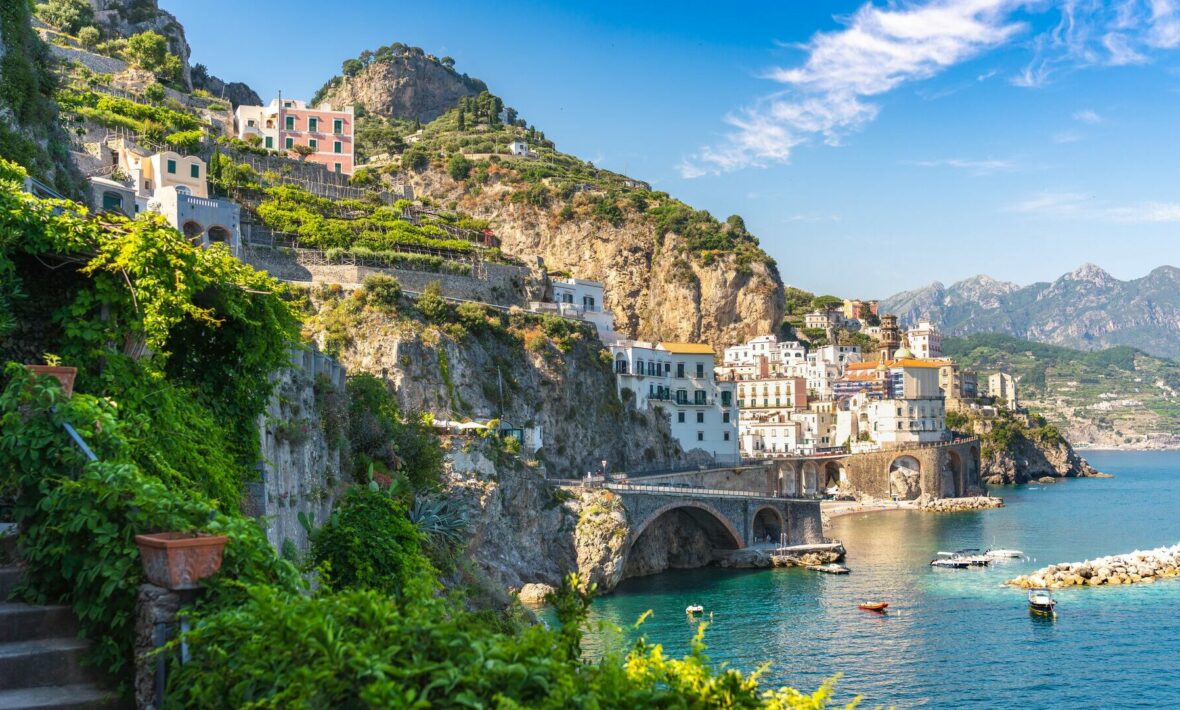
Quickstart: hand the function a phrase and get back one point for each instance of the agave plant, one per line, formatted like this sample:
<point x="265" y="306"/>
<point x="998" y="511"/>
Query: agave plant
<point x="441" y="524"/>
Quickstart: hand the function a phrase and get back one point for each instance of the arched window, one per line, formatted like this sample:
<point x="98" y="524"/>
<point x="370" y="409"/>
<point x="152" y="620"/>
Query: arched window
<point x="218" y="233"/>
<point x="621" y="365"/>
<point x="192" y="230"/>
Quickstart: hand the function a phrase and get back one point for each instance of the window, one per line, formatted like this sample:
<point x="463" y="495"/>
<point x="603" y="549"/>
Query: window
<point x="337" y="147"/>
<point x="698" y="397"/>
<point x="195" y="170"/>
<point x="112" y="201"/>
<point x="621" y="365"/>
<point x="726" y="398"/>
<point x="290" y="123"/>
<point x="250" y="123"/>
<point x="680" y="417"/>
<point x="700" y="436"/>
<point x="313" y="144"/>
<point x="338" y="126"/>
<point x="171" y="167"/>
<point x="680" y="369"/>
<point x="727" y="436"/>
<point x="290" y="143"/>
<point x="700" y="369"/>
<point x="588" y="302"/>
<point x="270" y="142"/>
<point x="313" y="124"/>
<point x="725" y="417"/>
<point x="667" y="368"/>
<point x="700" y="417"/>
<point x="682" y="396"/>
<point x="339" y="168"/>
<point x="639" y="367"/>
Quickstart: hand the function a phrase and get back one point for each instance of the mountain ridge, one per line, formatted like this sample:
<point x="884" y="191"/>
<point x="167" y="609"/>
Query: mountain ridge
<point x="1086" y="309"/>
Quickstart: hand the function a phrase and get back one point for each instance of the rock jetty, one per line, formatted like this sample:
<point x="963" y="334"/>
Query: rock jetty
<point x="755" y="558"/>
<point x="1139" y="567"/>
<point x="952" y="505"/>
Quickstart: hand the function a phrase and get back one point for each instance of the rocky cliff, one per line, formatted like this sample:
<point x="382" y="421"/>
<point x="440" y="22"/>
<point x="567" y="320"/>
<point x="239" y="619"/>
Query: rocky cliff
<point x="124" y="18"/>
<point x="655" y="286"/>
<point x="1015" y="453"/>
<point x="408" y="85"/>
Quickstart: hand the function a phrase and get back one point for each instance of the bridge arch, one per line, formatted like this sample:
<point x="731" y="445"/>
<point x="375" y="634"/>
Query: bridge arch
<point x="953" y="467"/>
<point x="834" y="474"/>
<point x="788" y="479"/>
<point x="905" y="478"/>
<point x="721" y="531"/>
<point x="768" y="524"/>
<point x="810" y="478"/>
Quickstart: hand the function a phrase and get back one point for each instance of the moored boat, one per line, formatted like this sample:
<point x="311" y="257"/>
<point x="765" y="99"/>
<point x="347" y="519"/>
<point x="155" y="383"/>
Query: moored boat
<point x="1041" y="601"/>
<point x="831" y="568"/>
<point x="1003" y="554"/>
<point x="693" y="609"/>
<point x="873" y="606"/>
<point x="960" y="559"/>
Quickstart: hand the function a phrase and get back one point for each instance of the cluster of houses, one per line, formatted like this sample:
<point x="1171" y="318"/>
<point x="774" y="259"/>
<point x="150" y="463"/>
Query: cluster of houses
<point x="768" y="398"/>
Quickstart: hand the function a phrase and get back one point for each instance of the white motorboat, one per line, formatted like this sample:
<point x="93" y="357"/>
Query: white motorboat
<point x="694" y="609"/>
<point x="1003" y="554"/>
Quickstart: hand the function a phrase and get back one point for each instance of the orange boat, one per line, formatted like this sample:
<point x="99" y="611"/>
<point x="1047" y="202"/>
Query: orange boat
<point x="873" y="606"/>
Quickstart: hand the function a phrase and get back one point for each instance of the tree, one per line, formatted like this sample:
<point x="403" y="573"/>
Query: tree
<point x="66" y="15"/>
<point x="149" y="50"/>
<point x="365" y="57"/>
<point x="89" y="37"/>
<point x="511" y="115"/>
<point x="461" y="121"/>
<point x="448" y="62"/>
<point x="352" y="67"/>
<point x="302" y="150"/>
<point x="458" y="167"/>
<point x="253" y="139"/>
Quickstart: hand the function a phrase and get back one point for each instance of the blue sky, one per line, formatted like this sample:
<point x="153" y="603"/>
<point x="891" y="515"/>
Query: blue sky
<point x="872" y="147"/>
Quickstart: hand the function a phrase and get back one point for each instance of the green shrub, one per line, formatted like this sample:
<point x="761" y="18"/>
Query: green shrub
<point x="382" y="291"/>
<point x="370" y="543"/>
<point x="432" y="305"/>
<point x="89" y="37"/>
<point x="69" y="16"/>
<point x="458" y="167"/>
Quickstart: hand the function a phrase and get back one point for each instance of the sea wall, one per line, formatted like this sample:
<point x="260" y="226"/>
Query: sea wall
<point x="1139" y="567"/>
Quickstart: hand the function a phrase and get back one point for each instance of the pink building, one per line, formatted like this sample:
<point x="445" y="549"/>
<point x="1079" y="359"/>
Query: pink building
<point x="286" y="123"/>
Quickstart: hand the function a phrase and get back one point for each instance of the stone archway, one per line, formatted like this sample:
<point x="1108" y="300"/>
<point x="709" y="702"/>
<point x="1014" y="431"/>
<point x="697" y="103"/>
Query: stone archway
<point x="217" y="233"/>
<point x="905" y="478"/>
<point x="810" y="478"/>
<point x="788" y="479"/>
<point x="679" y="535"/>
<point x="193" y="230"/>
<point x="834" y="475"/>
<point x="957" y="483"/>
<point x="768" y="525"/>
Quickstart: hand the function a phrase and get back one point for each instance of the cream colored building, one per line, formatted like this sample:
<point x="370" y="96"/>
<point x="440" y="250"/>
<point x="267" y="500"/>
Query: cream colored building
<point x="168" y="169"/>
<point x="925" y="340"/>
<point x="1001" y="385"/>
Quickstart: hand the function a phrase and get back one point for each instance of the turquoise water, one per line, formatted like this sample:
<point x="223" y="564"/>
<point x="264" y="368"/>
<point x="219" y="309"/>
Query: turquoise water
<point x="952" y="637"/>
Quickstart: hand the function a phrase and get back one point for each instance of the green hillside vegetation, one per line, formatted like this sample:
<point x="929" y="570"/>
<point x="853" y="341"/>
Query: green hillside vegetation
<point x="1067" y="384"/>
<point x="392" y="53"/>
<point x="175" y="346"/>
<point x="173" y="126"/>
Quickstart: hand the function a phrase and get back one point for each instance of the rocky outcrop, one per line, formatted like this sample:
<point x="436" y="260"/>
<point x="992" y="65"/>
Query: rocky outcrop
<point x="673" y="541"/>
<point x="601" y="539"/>
<point x="1024" y="460"/>
<point x="1139" y="567"/>
<point x="129" y="17"/>
<point x="406" y="86"/>
<point x="758" y="558"/>
<point x="655" y="288"/>
<point x="237" y="93"/>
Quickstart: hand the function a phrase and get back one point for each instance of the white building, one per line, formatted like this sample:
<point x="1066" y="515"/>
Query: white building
<point x="1001" y="385"/>
<point x="520" y="149"/>
<point x="582" y="299"/>
<point x="925" y="340"/>
<point x="679" y="378"/>
<point x="915" y="410"/>
<point x="777" y="353"/>
<point x="202" y="220"/>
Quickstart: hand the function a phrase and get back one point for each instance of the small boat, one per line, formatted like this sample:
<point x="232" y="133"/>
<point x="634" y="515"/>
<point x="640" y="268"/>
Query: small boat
<point x="960" y="559"/>
<point x="831" y="568"/>
<point x="950" y="563"/>
<point x="1041" y="601"/>
<point x="873" y="606"/>
<point x="694" y="609"/>
<point x="1003" y="554"/>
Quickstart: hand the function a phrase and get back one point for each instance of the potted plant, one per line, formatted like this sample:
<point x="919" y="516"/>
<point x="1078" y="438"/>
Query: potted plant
<point x="177" y="560"/>
<point x="53" y="368"/>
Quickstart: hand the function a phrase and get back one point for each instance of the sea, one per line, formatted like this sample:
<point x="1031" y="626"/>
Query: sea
<point x="950" y="638"/>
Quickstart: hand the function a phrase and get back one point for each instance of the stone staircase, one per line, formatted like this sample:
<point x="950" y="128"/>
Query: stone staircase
<point x="41" y="657"/>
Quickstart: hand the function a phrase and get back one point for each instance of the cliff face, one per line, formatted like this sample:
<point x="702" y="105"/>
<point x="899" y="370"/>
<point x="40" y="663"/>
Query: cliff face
<point x="130" y="17"/>
<point x="406" y="86"/>
<point x="1024" y="460"/>
<point x="656" y="291"/>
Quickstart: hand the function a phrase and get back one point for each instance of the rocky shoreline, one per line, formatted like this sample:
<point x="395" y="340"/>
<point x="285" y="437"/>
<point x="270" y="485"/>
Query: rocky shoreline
<point x="1139" y="567"/>
<point x="954" y="505"/>
<point x="759" y="558"/>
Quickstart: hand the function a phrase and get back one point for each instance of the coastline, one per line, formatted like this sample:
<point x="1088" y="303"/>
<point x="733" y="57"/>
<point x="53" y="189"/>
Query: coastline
<point x="830" y="509"/>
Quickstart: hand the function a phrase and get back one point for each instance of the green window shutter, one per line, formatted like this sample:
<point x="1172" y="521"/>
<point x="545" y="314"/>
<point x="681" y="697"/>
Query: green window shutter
<point x="195" y="171"/>
<point x="171" y="167"/>
<point x="290" y="123"/>
<point x="313" y="124"/>
<point x="337" y="147"/>
<point x="338" y="167"/>
<point x="313" y="143"/>
<point x="270" y="142"/>
<point x="290" y="143"/>
<point x="338" y="125"/>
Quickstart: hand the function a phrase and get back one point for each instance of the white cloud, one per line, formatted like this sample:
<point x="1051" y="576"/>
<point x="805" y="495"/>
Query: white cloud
<point x="878" y="51"/>
<point x="1087" y="116"/>
<point x="1062" y="137"/>
<point x="978" y="167"/>
<point x="1075" y="205"/>
<point x="831" y="92"/>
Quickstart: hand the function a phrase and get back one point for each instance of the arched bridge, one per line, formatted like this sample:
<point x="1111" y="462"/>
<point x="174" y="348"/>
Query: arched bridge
<point x="731" y="519"/>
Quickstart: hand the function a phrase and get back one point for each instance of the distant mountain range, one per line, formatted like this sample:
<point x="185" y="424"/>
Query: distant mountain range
<point x="1087" y="309"/>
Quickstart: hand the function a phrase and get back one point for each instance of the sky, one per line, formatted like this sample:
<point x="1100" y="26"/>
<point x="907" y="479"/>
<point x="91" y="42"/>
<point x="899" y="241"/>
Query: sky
<point x="872" y="147"/>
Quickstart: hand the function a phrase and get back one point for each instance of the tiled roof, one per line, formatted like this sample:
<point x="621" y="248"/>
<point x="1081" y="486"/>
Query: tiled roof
<point x="688" y="348"/>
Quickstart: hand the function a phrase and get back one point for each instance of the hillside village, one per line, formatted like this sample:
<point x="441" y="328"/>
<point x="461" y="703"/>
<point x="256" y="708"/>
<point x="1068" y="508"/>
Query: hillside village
<point x="298" y="318"/>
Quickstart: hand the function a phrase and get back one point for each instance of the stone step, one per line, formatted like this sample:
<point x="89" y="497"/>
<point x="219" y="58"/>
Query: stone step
<point x="62" y="697"/>
<point x="43" y="662"/>
<point x="25" y="622"/>
<point x="9" y="577"/>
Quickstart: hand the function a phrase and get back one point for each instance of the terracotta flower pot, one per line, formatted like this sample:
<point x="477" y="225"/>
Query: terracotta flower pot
<point x="64" y="375"/>
<point x="176" y="560"/>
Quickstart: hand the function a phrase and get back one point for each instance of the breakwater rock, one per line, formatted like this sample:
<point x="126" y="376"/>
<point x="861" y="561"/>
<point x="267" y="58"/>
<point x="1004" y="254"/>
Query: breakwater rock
<point x="1138" y="567"/>
<point x="757" y="558"/>
<point x="954" y="505"/>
